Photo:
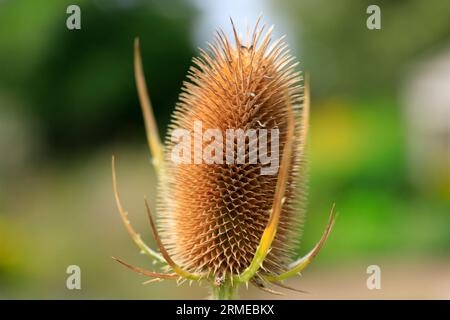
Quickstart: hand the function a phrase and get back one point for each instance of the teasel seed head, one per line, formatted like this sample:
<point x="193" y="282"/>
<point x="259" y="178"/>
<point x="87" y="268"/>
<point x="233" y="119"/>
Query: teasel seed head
<point x="212" y="216"/>
<point x="227" y="223"/>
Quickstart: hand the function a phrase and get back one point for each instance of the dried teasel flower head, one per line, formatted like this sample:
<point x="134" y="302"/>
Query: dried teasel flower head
<point x="228" y="221"/>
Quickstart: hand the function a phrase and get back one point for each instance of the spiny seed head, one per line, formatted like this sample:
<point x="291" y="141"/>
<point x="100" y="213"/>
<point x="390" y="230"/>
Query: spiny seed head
<point x="213" y="215"/>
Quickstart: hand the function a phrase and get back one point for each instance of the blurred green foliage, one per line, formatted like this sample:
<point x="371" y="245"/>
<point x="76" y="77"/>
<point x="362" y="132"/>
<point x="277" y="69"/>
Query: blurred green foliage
<point x="346" y="58"/>
<point x="358" y="159"/>
<point x="79" y="85"/>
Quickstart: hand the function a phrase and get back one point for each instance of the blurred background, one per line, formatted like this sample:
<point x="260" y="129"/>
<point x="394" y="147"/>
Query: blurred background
<point x="379" y="144"/>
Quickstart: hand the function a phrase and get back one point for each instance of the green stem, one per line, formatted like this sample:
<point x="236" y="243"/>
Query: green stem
<point x="225" y="291"/>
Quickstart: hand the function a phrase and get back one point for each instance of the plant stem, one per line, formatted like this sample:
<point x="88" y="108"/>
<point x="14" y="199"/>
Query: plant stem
<point x="225" y="291"/>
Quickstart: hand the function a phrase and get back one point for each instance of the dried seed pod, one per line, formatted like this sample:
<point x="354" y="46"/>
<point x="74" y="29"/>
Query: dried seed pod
<point x="212" y="216"/>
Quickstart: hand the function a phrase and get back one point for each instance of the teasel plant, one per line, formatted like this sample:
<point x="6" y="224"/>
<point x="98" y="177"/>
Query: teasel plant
<point x="226" y="224"/>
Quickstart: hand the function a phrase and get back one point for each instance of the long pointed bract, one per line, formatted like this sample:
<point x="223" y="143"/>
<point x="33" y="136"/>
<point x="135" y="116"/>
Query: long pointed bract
<point x="178" y="270"/>
<point x="272" y="225"/>
<point x="156" y="275"/>
<point x="123" y="216"/>
<point x="302" y="263"/>
<point x="151" y="128"/>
